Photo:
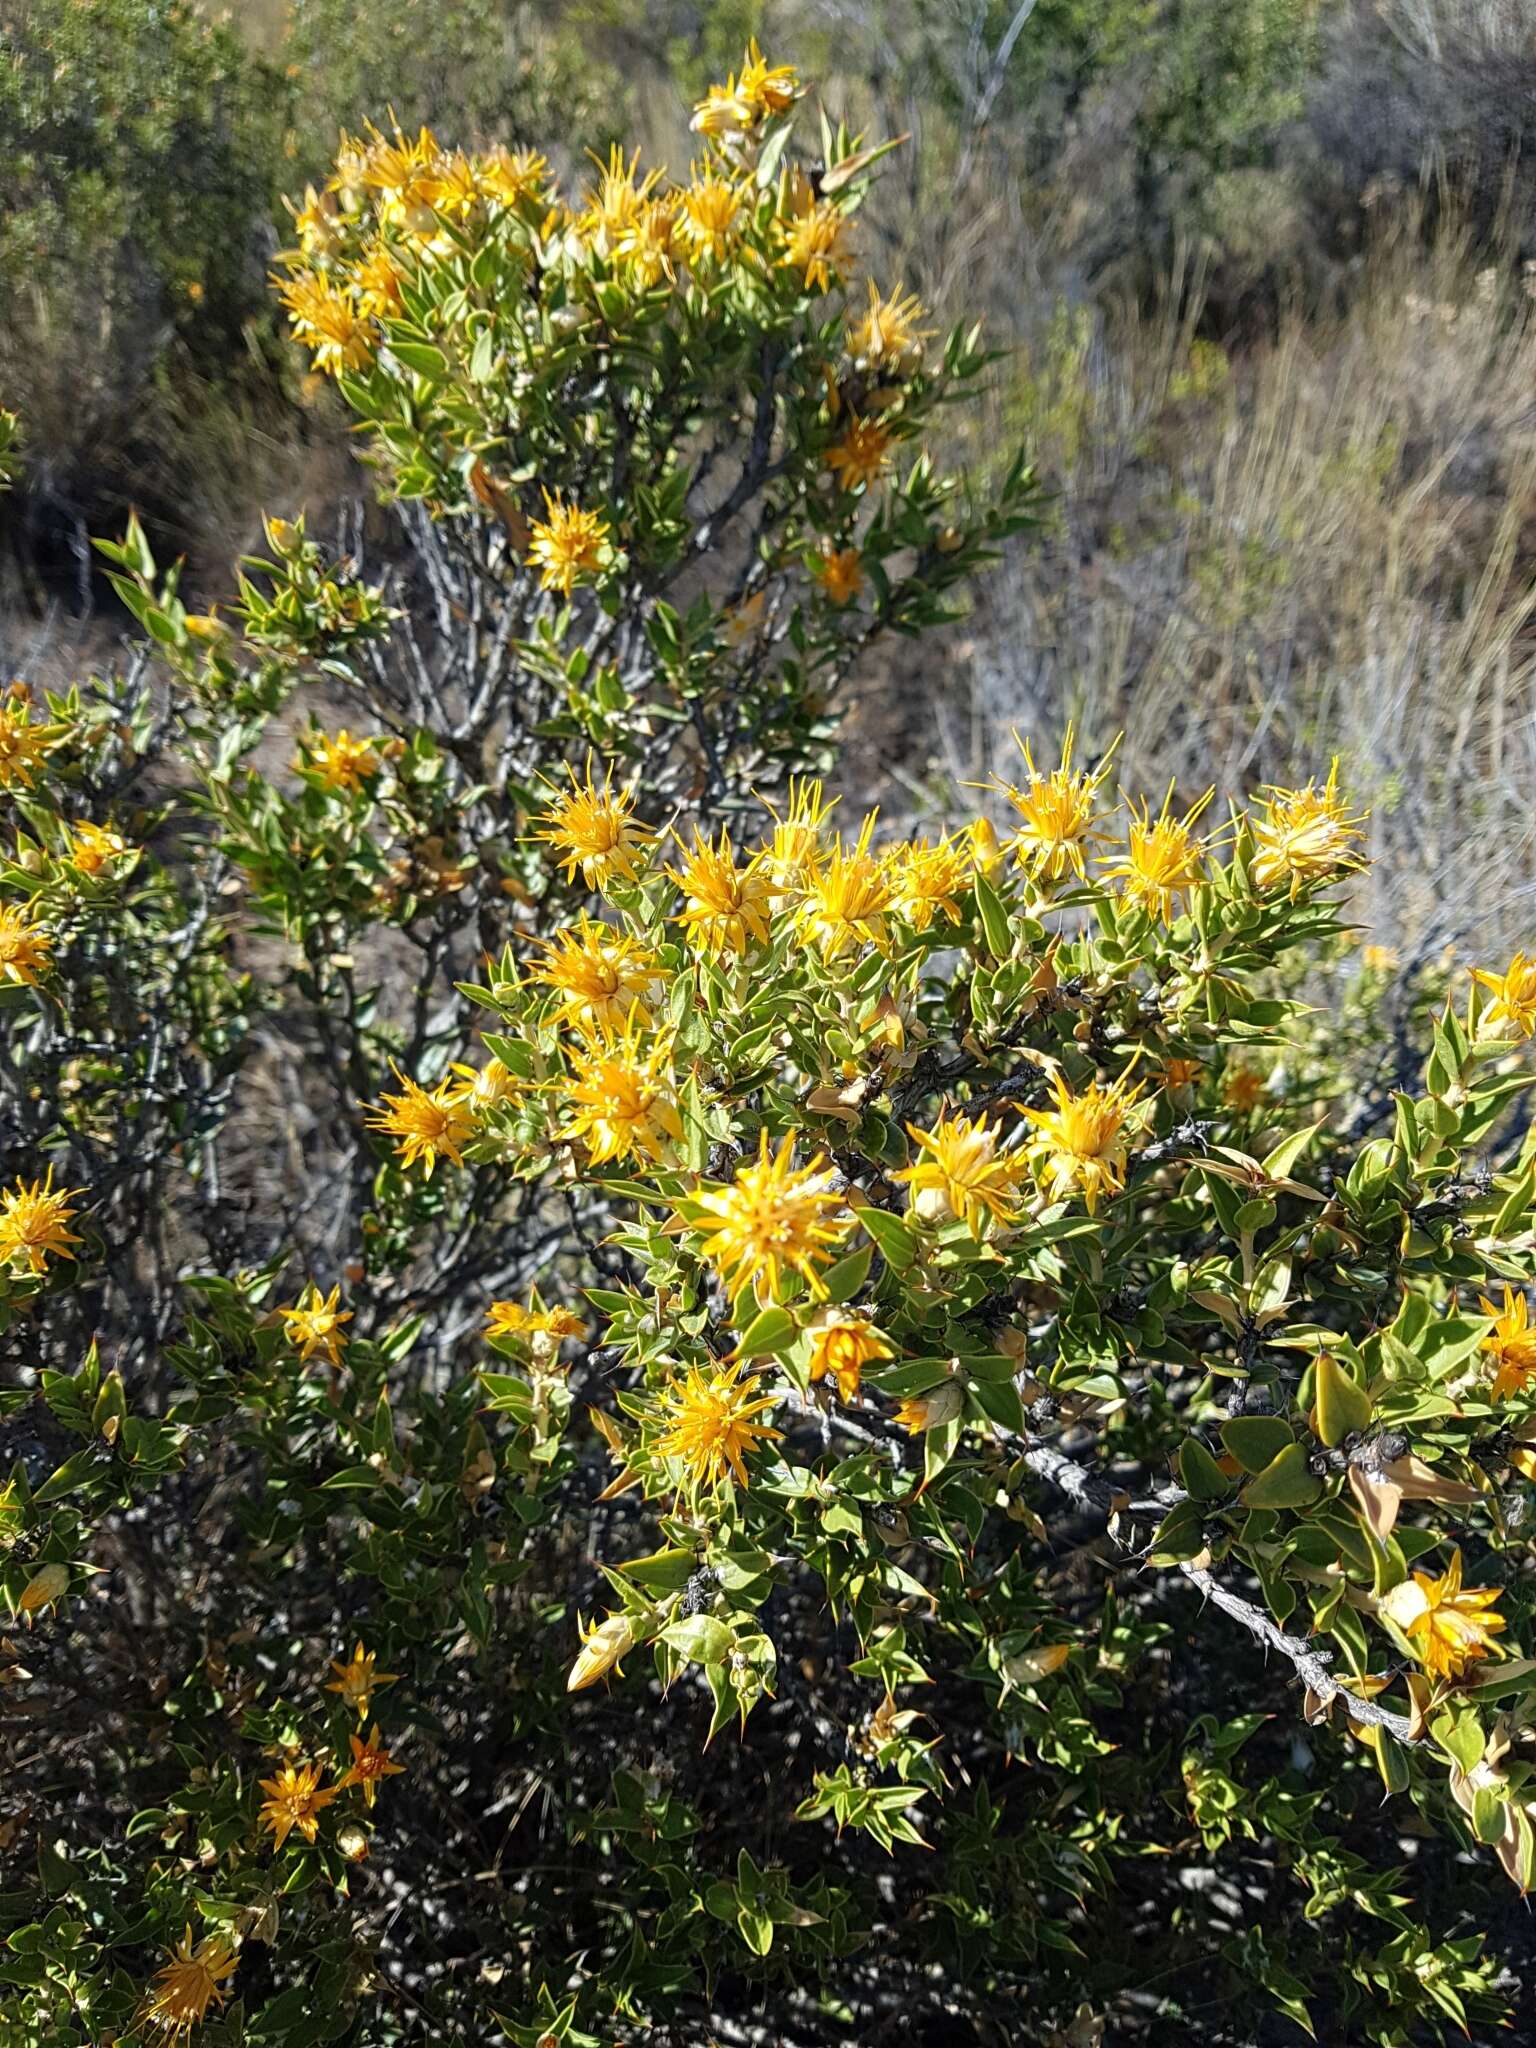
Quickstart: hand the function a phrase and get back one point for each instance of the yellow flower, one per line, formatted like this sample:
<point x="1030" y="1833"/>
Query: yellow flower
<point x="1179" y="1074"/>
<point x="315" y="224"/>
<point x="708" y="219"/>
<point x="743" y="622"/>
<point x="593" y="831"/>
<point x="645" y="245"/>
<point x="425" y="1122"/>
<point x="24" y="744"/>
<point x="842" y="1344"/>
<point x="767" y="89"/>
<point x="478" y="1089"/>
<point x="511" y="1319"/>
<point x="1514" y="999"/>
<point x="712" y="1424"/>
<point x="370" y="1762"/>
<point x="569" y="545"/>
<point x="848" y="896"/>
<point x="193" y="1979"/>
<point x="1511" y="1343"/>
<point x="1449" y="1625"/>
<point x="960" y="1173"/>
<point x="1058" y="814"/>
<point x="339" y="761"/>
<point x="921" y="1412"/>
<point x="795" y="847"/>
<point x="888" y="336"/>
<point x="26" y="950"/>
<point x="328" y="323"/>
<point x="1242" y="1087"/>
<point x="94" y="847"/>
<point x="618" y="199"/>
<point x="357" y="1680"/>
<point x="1163" y="859"/>
<point x="456" y="190"/>
<point x="930" y="879"/>
<point x="1082" y="1142"/>
<point x="726" y="907"/>
<point x="294" y="1800"/>
<point x="313" y="1325"/>
<point x="603" y="1645"/>
<point x="722" y="111"/>
<point x="1378" y="959"/>
<point x="860" y="456"/>
<point x="623" y="1102"/>
<point x="377" y="283"/>
<point x="34" y="1223"/>
<point x="509" y="176"/>
<point x="601" y="975"/>
<point x="840" y="572"/>
<point x="771" y="1216"/>
<point x="817" y="243"/>
<point x="986" y="848"/>
<point x="1305" y="836"/>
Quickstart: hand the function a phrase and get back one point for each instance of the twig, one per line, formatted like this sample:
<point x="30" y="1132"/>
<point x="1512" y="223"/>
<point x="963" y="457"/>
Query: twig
<point x="1311" y="1664"/>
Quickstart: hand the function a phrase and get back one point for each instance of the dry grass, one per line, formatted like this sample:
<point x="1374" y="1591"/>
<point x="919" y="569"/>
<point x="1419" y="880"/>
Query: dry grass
<point x="1324" y="547"/>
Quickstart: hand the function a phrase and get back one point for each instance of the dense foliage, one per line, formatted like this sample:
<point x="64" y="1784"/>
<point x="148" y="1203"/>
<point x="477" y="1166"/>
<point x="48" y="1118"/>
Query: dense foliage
<point x="531" y="1246"/>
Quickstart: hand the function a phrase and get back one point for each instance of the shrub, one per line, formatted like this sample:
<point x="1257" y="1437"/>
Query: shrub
<point x="519" y="1260"/>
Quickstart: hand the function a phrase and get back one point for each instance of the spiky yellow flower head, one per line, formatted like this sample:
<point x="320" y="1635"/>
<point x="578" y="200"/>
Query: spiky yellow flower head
<point x="315" y="224"/>
<point x="1163" y="859"/>
<point x="646" y="247"/>
<point x="339" y="761"/>
<point x="34" y="1223"/>
<point x="603" y="1645"/>
<point x="481" y="1088"/>
<point x="357" y="1680"/>
<point x="1450" y="1625"/>
<point x="93" y="848"/>
<point x="725" y="907"/>
<point x="295" y="1799"/>
<point x="888" y="337"/>
<point x="1379" y="959"/>
<point x="711" y="1423"/>
<point x="842" y="1344"/>
<point x="1082" y="1142"/>
<point x="1242" y="1087"/>
<point x="847" y="898"/>
<point x="722" y="112"/>
<point x="930" y="880"/>
<point x="919" y="1413"/>
<point x="622" y="1097"/>
<point x="26" y="949"/>
<point x="25" y="743"/>
<point x="617" y="200"/>
<point x="594" y="833"/>
<point x="795" y="847"/>
<point x="818" y="243"/>
<point x="1306" y="836"/>
<point x="1179" y="1075"/>
<point x="313" y="1325"/>
<point x="1058" y="813"/>
<point x="510" y="176"/>
<point x="193" y="1980"/>
<point x="768" y="89"/>
<point x="370" y="1763"/>
<point x="512" y="1319"/>
<point x="569" y="545"/>
<point x="601" y="976"/>
<point x="455" y="187"/>
<point x="961" y="1173"/>
<point x="1510" y="1343"/>
<point x="772" y="1217"/>
<point x="328" y="323"/>
<point x="1512" y="1013"/>
<point x="840" y="572"/>
<point x="425" y="1122"/>
<point x="709" y="217"/>
<point x="860" y="456"/>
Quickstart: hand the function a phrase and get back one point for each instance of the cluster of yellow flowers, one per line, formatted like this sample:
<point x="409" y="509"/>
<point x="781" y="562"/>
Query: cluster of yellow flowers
<point x="195" y="1976"/>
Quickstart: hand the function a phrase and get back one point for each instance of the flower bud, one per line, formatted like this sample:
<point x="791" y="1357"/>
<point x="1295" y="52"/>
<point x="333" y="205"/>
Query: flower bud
<point x="603" y="1645"/>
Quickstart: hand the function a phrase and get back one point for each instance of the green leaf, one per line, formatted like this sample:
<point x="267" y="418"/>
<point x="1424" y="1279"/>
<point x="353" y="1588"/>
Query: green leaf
<point x="1203" y="1478"/>
<point x="773" y="1330"/>
<point x="1285" y="1482"/>
<point x="1341" y="1406"/>
<point x="994" y="919"/>
<point x="1256" y="1440"/>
